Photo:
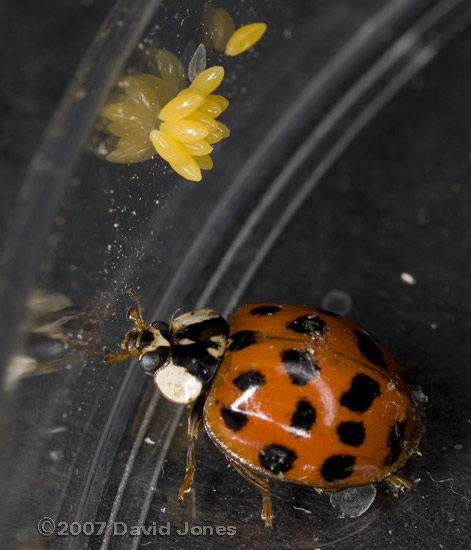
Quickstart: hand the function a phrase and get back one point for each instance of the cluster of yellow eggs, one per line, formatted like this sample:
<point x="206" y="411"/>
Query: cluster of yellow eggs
<point x="161" y="114"/>
<point x="189" y="127"/>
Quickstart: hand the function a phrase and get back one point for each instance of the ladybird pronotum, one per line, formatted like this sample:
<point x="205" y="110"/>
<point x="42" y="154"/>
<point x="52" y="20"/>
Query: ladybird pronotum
<point x="286" y="392"/>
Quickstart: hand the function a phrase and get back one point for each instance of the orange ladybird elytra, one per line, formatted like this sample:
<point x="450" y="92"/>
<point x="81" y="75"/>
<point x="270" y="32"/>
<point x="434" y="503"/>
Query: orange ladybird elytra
<point x="286" y="392"/>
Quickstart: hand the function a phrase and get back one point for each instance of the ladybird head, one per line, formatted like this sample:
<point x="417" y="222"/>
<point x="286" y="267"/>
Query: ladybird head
<point x="149" y="343"/>
<point x="182" y="356"/>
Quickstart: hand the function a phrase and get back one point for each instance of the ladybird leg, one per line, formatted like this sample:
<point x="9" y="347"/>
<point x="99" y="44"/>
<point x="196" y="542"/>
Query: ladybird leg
<point x="195" y="423"/>
<point x="262" y="485"/>
<point x="399" y="482"/>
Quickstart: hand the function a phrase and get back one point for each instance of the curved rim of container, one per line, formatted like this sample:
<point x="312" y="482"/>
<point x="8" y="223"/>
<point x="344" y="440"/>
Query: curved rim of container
<point x="53" y="164"/>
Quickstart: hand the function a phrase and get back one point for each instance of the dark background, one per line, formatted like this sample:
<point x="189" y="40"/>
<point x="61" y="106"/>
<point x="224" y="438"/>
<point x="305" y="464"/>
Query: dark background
<point x="41" y="44"/>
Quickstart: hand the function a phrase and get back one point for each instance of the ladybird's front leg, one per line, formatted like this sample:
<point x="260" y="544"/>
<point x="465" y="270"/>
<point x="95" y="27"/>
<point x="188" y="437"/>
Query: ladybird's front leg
<point x="115" y="356"/>
<point x="195" y="423"/>
<point x="262" y="485"/>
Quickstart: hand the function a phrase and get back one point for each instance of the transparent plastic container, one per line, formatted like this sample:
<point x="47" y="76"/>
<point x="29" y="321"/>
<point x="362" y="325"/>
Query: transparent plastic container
<point x="307" y="202"/>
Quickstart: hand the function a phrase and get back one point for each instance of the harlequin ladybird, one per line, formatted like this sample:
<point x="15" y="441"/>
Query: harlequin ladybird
<point x="286" y="392"/>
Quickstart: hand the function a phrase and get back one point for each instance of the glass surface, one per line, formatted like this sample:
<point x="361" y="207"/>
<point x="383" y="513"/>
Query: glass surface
<point x="342" y="185"/>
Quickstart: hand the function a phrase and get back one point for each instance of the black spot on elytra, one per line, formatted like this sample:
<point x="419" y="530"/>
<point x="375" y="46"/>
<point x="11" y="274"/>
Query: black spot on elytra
<point x="242" y="339"/>
<point x="362" y="392"/>
<point x="277" y="459"/>
<point x="249" y="379"/>
<point x="304" y="416"/>
<point x="337" y="467"/>
<point x="234" y="420"/>
<point x="395" y="442"/>
<point x="308" y="324"/>
<point x="370" y="349"/>
<point x="300" y="366"/>
<point x="351" y="433"/>
<point x="265" y="310"/>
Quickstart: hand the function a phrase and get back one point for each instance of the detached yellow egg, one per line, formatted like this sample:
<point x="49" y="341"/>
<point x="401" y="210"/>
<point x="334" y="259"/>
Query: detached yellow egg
<point x="244" y="38"/>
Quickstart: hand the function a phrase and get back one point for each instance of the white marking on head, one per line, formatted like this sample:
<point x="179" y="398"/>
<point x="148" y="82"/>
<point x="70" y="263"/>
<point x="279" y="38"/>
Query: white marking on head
<point x="176" y="384"/>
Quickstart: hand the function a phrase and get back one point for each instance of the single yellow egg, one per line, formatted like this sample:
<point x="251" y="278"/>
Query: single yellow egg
<point x="128" y="114"/>
<point x="225" y="132"/>
<point x="223" y="28"/>
<point x="207" y="24"/>
<point x="131" y="148"/>
<point x="220" y="100"/>
<point x="244" y="38"/>
<point x="205" y="119"/>
<point x="142" y="94"/>
<point x="171" y="70"/>
<point x="190" y="171"/>
<point x="181" y="106"/>
<point x="169" y="148"/>
<point x="210" y="107"/>
<point x="205" y="162"/>
<point x="221" y="132"/>
<point x="159" y="85"/>
<point x="208" y="80"/>
<point x="199" y="148"/>
<point x="117" y="129"/>
<point x="185" y="130"/>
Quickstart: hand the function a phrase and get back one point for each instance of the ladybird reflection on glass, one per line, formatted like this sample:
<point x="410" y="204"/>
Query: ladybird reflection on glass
<point x="286" y="392"/>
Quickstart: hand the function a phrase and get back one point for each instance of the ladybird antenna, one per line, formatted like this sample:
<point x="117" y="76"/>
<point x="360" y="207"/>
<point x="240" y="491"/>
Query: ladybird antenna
<point x="133" y="295"/>
<point x="134" y="315"/>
